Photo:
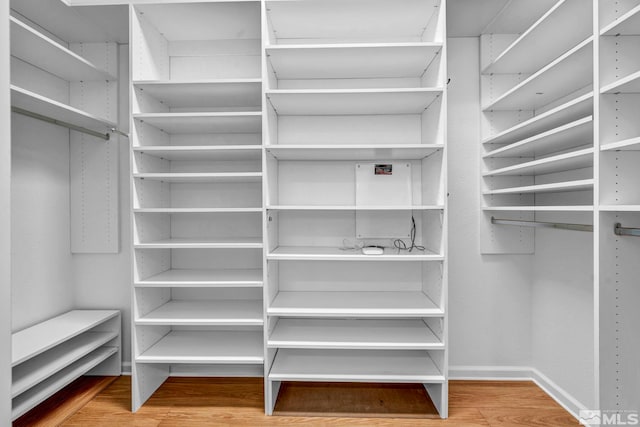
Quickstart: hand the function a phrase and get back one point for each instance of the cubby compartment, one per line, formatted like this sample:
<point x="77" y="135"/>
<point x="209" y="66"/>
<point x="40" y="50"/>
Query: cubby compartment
<point x="197" y="161"/>
<point x="619" y="17"/>
<point x="620" y="176"/>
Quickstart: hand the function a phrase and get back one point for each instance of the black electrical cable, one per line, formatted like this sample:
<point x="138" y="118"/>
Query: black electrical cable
<point x="400" y="244"/>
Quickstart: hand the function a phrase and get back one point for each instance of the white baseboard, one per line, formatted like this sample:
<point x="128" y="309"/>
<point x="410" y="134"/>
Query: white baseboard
<point x="519" y="373"/>
<point x="126" y="368"/>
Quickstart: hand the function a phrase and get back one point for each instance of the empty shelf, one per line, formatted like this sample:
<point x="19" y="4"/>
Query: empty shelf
<point x="628" y="84"/>
<point x="39" y="338"/>
<point x="202" y="94"/>
<point x="353" y="152"/>
<point x="39" y="393"/>
<point x="352" y="101"/>
<point x="540" y="44"/>
<point x="220" y="152"/>
<point x="568" y="112"/>
<point x="37" y="49"/>
<point x="218" y="312"/>
<point x="220" y="347"/>
<point x="197" y="210"/>
<point x="204" y="278"/>
<point x="355" y="366"/>
<point x="202" y="177"/>
<point x="354" y="304"/>
<point x="203" y="243"/>
<point x="571" y="135"/>
<point x="359" y="60"/>
<point x="631" y="144"/>
<point x="557" y="187"/>
<point x="44" y="106"/>
<point x="311" y="253"/>
<point x="406" y="334"/>
<point x="353" y="208"/>
<point x="567" y="208"/>
<point x="199" y="123"/>
<point x="562" y="162"/>
<point x="565" y="75"/>
<point x="620" y="208"/>
<point x="627" y="24"/>
<point x="37" y="369"/>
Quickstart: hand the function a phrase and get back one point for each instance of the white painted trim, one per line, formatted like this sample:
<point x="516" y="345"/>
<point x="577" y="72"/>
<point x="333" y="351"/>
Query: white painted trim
<point x="560" y="395"/>
<point x="126" y="368"/>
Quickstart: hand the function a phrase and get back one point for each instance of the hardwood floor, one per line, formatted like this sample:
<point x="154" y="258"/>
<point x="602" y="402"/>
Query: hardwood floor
<point x="239" y="401"/>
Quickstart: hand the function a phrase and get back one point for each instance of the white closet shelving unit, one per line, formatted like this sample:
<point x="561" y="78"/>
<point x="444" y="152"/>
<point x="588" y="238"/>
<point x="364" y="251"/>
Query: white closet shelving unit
<point x="197" y="191"/>
<point x="50" y="355"/>
<point x="349" y="84"/>
<point x="619" y="202"/>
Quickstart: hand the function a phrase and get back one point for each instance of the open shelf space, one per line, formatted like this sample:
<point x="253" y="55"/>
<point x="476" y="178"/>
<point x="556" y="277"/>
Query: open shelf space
<point x="627" y="24"/>
<point x="222" y="93"/>
<point x="206" y="347"/>
<point x="355" y="61"/>
<point x="353" y="152"/>
<point x="202" y="177"/>
<point x="578" y="133"/>
<point x="234" y="278"/>
<point x="35" y="370"/>
<point x="570" y="72"/>
<point x="200" y="123"/>
<point x="558" y="163"/>
<point x="557" y="187"/>
<point x="404" y="334"/>
<point x="39" y="393"/>
<point x="568" y="208"/>
<point x="38" y="104"/>
<point x="203" y="243"/>
<point x="197" y="210"/>
<point x="631" y="144"/>
<point x="352" y="208"/>
<point x="627" y="84"/>
<point x="37" y="49"/>
<point x="542" y="38"/>
<point x="355" y="366"/>
<point x="203" y="152"/>
<point x="352" y="101"/>
<point x="353" y="304"/>
<point x="336" y="254"/>
<point x="570" y="111"/>
<point x="196" y="313"/>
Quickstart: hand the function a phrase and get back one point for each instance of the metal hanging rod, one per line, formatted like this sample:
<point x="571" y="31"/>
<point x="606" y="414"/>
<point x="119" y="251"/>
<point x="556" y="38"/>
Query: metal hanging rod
<point x="558" y="225"/>
<point x="104" y="136"/>
<point x="626" y="231"/>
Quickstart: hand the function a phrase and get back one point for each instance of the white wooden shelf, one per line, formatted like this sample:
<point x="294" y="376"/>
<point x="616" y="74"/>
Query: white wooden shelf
<point x="353" y="304"/>
<point x="355" y="60"/>
<point x="202" y="177"/>
<point x="39" y="338"/>
<point x="578" y="133"/>
<point x="627" y="24"/>
<point x="570" y="111"/>
<point x="352" y="101"/>
<point x="558" y="163"/>
<point x="353" y="208"/>
<point x="557" y="187"/>
<point x="205" y="347"/>
<point x="224" y="93"/>
<point x="631" y="144"/>
<point x="206" y="152"/>
<point x="620" y="208"/>
<point x="39" y="393"/>
<point x="206" y="313"/>
<point x="37" y="49"/>
<point x="202" y="123"/>
<point x="44" y="106"/>
<point x="237" y="278"/>
<point x="355" y="366"/>
<point x="311" y="253"/>
<point x="627" y="84"/>
<point x="203" y="243"/>
<point x="35" y="370"/>
<point x="565" y="75"/>
<point x="353" y="152"/>
<point x="543" y="39"/>
<point x="196" y="210"/>
<point x="567" y="208"/>
<point x="404" y="334"/>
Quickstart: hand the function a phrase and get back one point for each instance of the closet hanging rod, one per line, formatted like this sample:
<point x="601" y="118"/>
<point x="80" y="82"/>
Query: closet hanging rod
<point x="626" y="231"/>
<point x="104" y="136"/>
<point x="558" y="225"/>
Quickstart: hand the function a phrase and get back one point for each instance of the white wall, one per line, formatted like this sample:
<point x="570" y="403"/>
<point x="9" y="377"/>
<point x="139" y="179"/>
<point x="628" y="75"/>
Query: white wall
<point x="490" y="295"/>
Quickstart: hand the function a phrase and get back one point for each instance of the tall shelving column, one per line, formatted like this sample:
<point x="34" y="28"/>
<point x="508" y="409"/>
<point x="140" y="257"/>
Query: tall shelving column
<point x="618" y="26"/>
<point x="197" y="192"/>
<point x="351" y="88"/>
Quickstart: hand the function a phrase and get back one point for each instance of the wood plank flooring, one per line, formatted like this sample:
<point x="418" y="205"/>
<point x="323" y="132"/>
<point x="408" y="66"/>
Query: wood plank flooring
<point x="239" y="402"/>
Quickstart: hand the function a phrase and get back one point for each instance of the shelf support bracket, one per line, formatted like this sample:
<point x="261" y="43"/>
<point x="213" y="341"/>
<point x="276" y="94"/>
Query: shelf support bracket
<point x="619" y="230"/>
<point x="538" y="224"/>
